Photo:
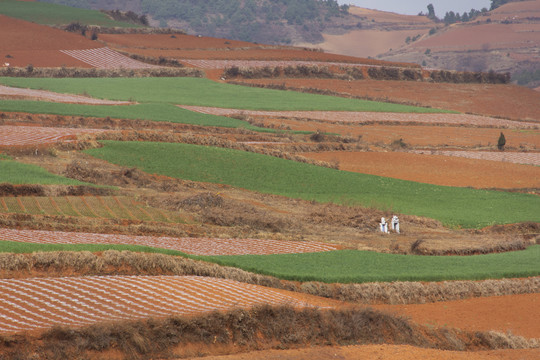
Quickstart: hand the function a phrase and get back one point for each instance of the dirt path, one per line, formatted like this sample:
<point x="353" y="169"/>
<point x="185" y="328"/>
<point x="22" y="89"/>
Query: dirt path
<point x="55" y="97"/>
<point x="435" y="169"/>
<point x="379" y="352"/>
<point x="532" y="158"/>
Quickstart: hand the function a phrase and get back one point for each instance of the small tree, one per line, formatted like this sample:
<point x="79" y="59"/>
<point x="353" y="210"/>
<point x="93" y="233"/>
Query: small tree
<point x="501" y="142"/>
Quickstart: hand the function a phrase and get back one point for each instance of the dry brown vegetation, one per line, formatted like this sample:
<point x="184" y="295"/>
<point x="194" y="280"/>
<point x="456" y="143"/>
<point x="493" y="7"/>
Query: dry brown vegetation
<point x="71" y="72"/>
<point x="242" y="330"/>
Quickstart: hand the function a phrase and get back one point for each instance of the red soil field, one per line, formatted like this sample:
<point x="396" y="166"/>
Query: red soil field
<point x="40" y="303"/>
<point x="195" y="246"/>
<point x="174" y="41"/>
<point x="379" y="352"/>
<point x="358" y="117"/>
<point x="515" y="313"/>
<point x="521" y="9"/>
<point x="420" y="135"/>
<point x="35" y="135"/>
<point x="474" y="37"/>
<point x="509" y="101"/>
<point x="433" y="169"/>
<point x="24" y="43"/>
<point x="105" y="58"/>
<point x="23" y="35"/>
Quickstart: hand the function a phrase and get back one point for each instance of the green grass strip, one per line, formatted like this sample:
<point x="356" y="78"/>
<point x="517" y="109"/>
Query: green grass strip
<point x="352" y="266"/>
<point x="151" y="112"/>
<point x="204" y="92"/>
<point x="52" y="14"/>
<point x="453" y="206"/>
<point x="16" y="173"/>
<point x="16" y="247"/>
<point x="345" y="266"/>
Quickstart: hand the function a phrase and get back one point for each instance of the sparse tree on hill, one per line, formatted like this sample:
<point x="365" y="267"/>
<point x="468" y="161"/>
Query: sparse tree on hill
<point x="431" y="12"/>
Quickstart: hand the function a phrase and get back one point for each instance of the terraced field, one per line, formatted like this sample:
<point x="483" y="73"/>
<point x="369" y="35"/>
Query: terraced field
<point x="103" y="207"/>
<point x="105" y="58"/>
<point x="370" y="117"/>
<point x="532" y="158"/>
<point x="194" y="246"/>
<point x="32" y="304"/>
<point x="35" y="135"/>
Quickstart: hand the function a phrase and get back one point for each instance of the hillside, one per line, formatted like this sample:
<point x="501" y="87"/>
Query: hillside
<point x="271" y="22"/>
<point x="507" y="39"/>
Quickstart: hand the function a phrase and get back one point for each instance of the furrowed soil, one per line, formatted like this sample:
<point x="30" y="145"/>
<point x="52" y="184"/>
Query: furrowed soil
<point x="436" y="169"/>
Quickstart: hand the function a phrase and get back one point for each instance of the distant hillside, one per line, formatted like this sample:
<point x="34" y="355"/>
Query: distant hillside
<point x="506" y="39"/>
<point x="263" y="21"/>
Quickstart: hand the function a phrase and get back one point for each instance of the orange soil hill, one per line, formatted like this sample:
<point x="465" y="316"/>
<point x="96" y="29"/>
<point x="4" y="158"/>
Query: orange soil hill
<point x="24" y="43"/>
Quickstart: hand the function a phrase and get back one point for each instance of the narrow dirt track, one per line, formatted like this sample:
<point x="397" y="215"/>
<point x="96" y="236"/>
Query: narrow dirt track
<point x="370" y="117"/>
<point x="56" y="97"/>
<point x="379" y="352"/>
<point x="532" y="158"/>
<point x="40" y="303"/>
<point x="194" y="246"/>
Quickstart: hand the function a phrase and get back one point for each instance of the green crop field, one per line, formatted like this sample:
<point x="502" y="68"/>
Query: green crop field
<point x="204" y="92"/>
<point x="149" y="111"/>
<point x="52" y="14"/>
<point x="352" y="266"/>
<point x="16" y="247"/>
<point x="453" y="206"/>
<point x="17" y="173"/>
<point x="345" y="266"/>
<point x="103" y="207"/>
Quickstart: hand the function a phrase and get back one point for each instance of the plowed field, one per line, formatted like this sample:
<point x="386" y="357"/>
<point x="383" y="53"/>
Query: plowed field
<point x="510" y="101"/>
<point x="195" y="246"/>
<point x="34" y="135"/>
<point x="433" y="169"/>
<point x="370" y="117"/>
<point x="516" y="313"/>
<point x="424" y="135"/>
<point x="32" y="304"/>
<point x="532" y="158"/>
<point x="105" y="58"/>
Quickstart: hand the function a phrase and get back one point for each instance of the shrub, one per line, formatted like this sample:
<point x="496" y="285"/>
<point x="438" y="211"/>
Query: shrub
<point x="501" y="142"/>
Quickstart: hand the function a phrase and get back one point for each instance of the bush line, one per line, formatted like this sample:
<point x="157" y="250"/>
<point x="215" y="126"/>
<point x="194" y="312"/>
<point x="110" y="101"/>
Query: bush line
<point x="65" y="72"/>
<point x="367" y="72"/>
<point x="261" y="327"/>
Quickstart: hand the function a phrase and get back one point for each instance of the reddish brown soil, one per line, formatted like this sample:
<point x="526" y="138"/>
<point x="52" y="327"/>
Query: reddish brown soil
<point x="35" y="135"/>
<point x="379" y="352"/>
<point x="436" y="169"/>
<point x="515" y="313"/>
<point x="509" y="101"/>
<point x="421" y="135"/>
<point x="475" y="37"/>
<point x="24" y="43"/>
<point x="173" y="41"/>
